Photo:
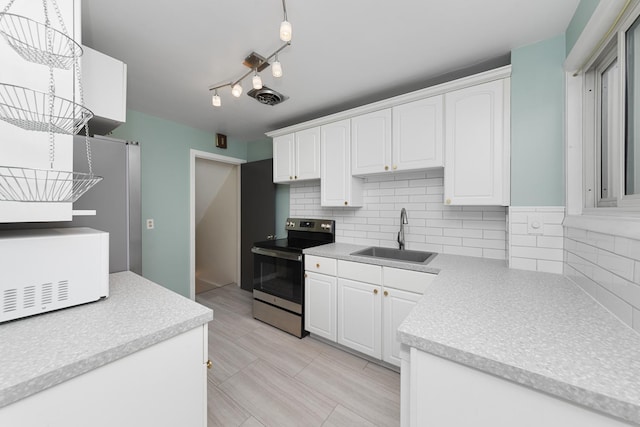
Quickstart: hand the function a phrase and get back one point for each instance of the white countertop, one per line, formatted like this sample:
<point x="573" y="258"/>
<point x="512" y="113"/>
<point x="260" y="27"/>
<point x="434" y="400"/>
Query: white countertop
<point x="536" y="329"/>
<point x="41" y="351"/>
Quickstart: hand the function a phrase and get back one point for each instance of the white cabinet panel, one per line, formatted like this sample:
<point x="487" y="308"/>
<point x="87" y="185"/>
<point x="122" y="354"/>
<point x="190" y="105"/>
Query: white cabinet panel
<point x="418" y="134"/>
<point x="163" y="385"/>
<point x="283" y="152"/>
<point x="320" y="305"/>
<point x="307" y="154"/>
<point x="396" y="307"/>
<point x="444" y="393"/>
<point x="371" y="143"/>
<point x="477" y="145"/>
<point x="296" y="156"/>
<point x="359" y="317"/>
<point x="361" y="272"/>
<point x="407" y="280"/>
<point x="322" y="265"/>
<point x="337" y="186"/>
<point x="105" y="86"/>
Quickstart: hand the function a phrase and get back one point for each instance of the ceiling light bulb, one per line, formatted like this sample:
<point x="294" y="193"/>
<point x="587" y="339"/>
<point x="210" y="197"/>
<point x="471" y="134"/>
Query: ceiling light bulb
<point x="216" y="101"/>
<point x="257" y="81"/>
<point x="236" y="90"/>
<point x="285" y="31"/>
<point x="276" y="68"/>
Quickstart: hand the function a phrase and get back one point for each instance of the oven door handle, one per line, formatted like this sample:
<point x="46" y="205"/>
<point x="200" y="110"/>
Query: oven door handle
<point x="277" y="254"/>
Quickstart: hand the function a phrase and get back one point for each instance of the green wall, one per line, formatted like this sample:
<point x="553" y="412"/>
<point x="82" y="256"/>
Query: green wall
<point x="537" y="124"/>
<point x="580" y="18"/>
<point x="164" y="151"/>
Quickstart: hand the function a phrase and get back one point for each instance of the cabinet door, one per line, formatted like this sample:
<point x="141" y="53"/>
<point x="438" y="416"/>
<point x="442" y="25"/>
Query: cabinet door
<point x="307" y="154"/>
<point x="283" y="148"/>
<point x="418" y="134"/>
<point x="395" y="307"/>
<point x="476" y="147"/>
<point x="105" y="85"/>
<point x="320" y="305"/>
<point x="337" y="186"/>
<point x="371" y="143"/>
<point x="359" y="317"/>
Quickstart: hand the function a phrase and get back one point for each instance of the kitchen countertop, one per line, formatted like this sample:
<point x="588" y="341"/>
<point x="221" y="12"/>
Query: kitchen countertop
<point x="536" y="329"/>
<point x="44" y="350"/>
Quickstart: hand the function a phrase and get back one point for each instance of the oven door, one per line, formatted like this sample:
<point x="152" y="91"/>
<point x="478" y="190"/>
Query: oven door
<point x="279" y="275"/>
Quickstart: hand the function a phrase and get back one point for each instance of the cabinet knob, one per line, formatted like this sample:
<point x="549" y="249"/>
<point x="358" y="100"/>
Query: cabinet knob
<point x="386" y="168"/>
<point x="346" y="203"/>
<point x="386" y="294"/>
<point x="395" y="167"/>
<point x="448" y="201"/>
<point x="209" y="364"/>
<point x="318" y="265"/>
<point x="305" y="275"/>
<point x="295" y="177"/>
<point x="290" y="177"/>
<point x="375" y="292"/>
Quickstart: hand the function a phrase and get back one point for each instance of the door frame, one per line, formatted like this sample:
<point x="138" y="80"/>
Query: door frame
<point x="205" y="155"/>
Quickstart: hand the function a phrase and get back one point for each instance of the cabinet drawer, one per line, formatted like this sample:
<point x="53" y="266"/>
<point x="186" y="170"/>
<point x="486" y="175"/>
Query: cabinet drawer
<point x="407" y="280"/>
<point x="361" y="272"/>
<point x="320" y="264"/>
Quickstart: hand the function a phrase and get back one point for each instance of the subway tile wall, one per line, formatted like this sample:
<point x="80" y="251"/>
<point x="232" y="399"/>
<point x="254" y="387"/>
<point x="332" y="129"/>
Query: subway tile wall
<point x="607" y="267"/>
<point x="479" y="231"/>
<point x="536" y="248"/>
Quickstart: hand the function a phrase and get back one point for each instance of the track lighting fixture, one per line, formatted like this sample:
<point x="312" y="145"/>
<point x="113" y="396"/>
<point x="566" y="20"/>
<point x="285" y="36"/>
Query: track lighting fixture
<point x="257" y="63"/>
<point x="276" y="68"/>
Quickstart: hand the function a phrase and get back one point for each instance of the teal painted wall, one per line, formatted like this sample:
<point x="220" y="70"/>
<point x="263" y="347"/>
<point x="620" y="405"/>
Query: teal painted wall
<point x="537" y="124"/>
<point x="164" y="151"/>
<point x="259" y="150"/>
<point x="579" y="21"/>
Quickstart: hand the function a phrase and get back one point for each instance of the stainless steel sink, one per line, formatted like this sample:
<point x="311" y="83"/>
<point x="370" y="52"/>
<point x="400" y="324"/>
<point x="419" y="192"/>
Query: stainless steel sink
<point x="418" y="257"/>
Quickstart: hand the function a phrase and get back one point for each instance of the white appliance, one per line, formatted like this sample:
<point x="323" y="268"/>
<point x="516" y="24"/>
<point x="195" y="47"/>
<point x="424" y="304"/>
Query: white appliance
<point x="49" y="269"/>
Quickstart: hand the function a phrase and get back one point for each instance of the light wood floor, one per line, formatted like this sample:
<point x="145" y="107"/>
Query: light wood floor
<point x="262" y="376"/>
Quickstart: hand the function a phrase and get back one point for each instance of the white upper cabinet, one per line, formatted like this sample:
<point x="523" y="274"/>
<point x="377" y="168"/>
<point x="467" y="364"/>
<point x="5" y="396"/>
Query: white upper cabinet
<point x="337" y="186"/>
<point x="296" y="156"/>
<point x="371" y="143"/>
<point x="105" y="90"/>
<point x="418" y="134"/>
<point x="307" y="154"/>
<point x="477" y="169"/>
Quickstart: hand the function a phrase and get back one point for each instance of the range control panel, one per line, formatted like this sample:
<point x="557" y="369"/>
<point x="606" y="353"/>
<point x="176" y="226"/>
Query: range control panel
<point x="299" y="224"/>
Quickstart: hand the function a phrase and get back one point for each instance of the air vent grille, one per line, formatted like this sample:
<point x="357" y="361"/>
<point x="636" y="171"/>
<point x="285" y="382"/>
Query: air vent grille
<point x="63" y="290"/>
<point x="29" y="297"/>
<point x="267" y="96"/>
<point x="47" y="293"/>
<point x="10" y="300"/>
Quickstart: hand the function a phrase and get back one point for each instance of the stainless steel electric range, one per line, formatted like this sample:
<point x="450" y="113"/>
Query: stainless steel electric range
<point x="278" y="273"/>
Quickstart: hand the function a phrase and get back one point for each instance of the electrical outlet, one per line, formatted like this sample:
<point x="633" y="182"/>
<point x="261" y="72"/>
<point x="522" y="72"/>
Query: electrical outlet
<point x="150" y="224"/>
<point x="535" y="225"/>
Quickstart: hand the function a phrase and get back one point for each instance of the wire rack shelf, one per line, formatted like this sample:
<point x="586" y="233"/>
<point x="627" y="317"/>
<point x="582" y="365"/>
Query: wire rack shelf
<point x="39" y="185"/>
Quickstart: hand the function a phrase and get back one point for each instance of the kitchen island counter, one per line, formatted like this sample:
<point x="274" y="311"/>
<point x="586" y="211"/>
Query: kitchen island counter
<point x="535" y="329"/>
<point x="45" y="350"/>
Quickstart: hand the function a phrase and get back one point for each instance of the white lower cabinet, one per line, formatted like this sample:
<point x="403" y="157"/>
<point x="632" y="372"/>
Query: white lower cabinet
<point x="439" y="392"/>
<point x="360" y="305"/>
<point x="320" y="305"/>
<point x="162" y="385"/>
<point x="359" y="317"/>
<point x="396" y="306"/>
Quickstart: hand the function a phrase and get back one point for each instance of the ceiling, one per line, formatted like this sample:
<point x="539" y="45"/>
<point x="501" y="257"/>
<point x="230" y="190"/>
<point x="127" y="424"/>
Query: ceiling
<point x="343" y="53"/>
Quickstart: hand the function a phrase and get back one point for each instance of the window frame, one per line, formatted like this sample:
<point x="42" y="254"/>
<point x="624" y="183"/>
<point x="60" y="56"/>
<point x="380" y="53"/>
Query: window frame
<point x="614" y="48"/>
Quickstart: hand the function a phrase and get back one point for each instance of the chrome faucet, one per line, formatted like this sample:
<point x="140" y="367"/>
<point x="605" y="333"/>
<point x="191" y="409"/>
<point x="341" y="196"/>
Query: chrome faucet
<point x="403" y="221"/>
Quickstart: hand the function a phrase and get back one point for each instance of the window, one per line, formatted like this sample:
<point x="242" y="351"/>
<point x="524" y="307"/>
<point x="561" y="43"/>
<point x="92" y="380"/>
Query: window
<point x="612" y="150"/>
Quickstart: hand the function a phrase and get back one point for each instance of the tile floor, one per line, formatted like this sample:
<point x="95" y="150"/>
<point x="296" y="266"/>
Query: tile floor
<point x="264" y="377"/>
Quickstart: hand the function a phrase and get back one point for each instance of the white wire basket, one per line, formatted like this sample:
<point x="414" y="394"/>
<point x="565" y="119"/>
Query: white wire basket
<point x="29" y="39"/>
<point x="38" y="185"/>
<point x="31" y="110"/>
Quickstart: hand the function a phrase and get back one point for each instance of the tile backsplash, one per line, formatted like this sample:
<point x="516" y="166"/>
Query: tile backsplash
<point x="607" y="267"/>
<point x="478" y="231"/>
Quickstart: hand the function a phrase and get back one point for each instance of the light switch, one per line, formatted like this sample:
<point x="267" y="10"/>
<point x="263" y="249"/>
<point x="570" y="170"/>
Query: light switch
<point x="150" y="224"/>
<point x="535" y="225"/>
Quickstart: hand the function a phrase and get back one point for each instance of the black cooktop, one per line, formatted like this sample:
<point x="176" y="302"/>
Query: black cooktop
<point x="289" y="245"/>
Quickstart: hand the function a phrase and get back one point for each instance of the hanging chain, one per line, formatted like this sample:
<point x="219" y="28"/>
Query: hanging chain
<point x="52" y="84"/>
<point x="7" y="7"/>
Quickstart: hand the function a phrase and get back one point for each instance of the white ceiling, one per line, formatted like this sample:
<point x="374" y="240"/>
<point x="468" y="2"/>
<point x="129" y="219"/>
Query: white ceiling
<point x="343" y="53"/>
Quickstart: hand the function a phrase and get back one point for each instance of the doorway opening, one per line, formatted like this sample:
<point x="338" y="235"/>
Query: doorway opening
<point x="214" y="221"/>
